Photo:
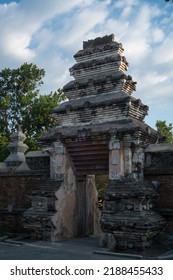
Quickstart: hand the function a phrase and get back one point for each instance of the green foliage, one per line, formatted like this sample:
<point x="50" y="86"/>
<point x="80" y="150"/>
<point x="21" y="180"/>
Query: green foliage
<point x="21" y="102"/>
<point x="165" y="130"/>
<point x="18" y="89"/>
<point x="39" y="118"/>
<point x="101" y="184"/>
<point x="3" y="147"/>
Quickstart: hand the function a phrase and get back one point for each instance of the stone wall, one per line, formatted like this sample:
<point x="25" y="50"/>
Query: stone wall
<point x="20" y="176"/>
<point x="14" y="198"/>
<point x="159" y="170"/>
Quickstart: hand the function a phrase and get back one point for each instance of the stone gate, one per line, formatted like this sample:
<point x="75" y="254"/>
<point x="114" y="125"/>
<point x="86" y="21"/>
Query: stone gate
<point x="101" y="130"/>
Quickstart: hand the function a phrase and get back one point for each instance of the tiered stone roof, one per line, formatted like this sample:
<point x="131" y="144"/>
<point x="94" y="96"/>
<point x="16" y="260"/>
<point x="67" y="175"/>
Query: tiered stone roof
<point x="100" y="94"/>
<point x="100" y="106"/>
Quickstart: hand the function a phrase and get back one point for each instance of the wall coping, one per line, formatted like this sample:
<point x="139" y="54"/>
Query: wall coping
<point x="158" y="148"/>
<point x="36" y="154"/>
<point x="160" y="171"/>
<point x="14" y="173"/>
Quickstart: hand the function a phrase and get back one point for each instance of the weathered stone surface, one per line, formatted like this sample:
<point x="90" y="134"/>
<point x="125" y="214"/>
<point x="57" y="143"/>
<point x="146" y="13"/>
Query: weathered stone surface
<point x="128" y="221"/>
<point x="92" y="212"/>
<point x="94" y="49"/>
<point x="37" y="218"/>
<point x="159" y="170"/>
<point x="159" y="148"/>
<point x="17" y="148"/>
<point x="99" y="41"/>
<point x="159" y="159"/>
<point x="99" y="85"/>
<point x="64" y="220"/>
<point x="37" y="160"/>
<point x="100" y="101"/>
<point x="15" y="190"/>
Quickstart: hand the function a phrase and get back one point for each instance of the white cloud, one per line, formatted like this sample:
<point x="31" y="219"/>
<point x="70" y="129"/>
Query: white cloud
<point x="16" y="46"/>
<point x="153" y="79"/>
<point x="81" y="23"/>
<point x="19" y="22"/>
<point x="164" y="53"/>
<point x="49" y="33"/>
<point x="157" y="35"/>
<point x="125" y="3"/>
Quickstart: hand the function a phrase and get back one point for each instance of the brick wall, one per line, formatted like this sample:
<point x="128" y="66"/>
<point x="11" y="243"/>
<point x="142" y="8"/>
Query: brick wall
<point x="164" y="205"/>
<point x="14" y="191"/>
<point x="159" y="169"/>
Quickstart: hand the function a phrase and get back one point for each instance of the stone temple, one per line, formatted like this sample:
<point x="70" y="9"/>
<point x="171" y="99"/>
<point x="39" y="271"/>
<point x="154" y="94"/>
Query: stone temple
<point x="101" y="130"/>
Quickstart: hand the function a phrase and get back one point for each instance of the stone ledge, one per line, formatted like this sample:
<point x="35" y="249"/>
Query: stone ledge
<point x="13" y="212"/>
<point x="36" y="154"/>
<point x="13" y="173"/>
<point x="163" y="147"/>
<point x="165" y="211"/>
<point x="158" y="171"/>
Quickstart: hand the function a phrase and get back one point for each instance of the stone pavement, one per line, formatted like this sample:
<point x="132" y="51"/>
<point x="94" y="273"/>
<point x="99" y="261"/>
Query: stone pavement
<point x="74" y="249"/>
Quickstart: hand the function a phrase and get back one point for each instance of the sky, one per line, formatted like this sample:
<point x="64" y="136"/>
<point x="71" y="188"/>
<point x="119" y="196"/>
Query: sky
<point x="49" y="32"/>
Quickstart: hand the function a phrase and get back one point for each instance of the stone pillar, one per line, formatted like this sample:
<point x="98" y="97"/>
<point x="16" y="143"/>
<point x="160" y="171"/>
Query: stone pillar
<point x="62" y="171"/>
<point x="128" y="161"/>
<point x="138" y="162"/>
<point x="65" y="218"/>
<point x="57" y="161"/>
<point x="115" y="171"/>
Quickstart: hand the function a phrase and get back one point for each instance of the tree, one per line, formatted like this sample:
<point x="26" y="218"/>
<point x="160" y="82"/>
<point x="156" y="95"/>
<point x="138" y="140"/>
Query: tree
<point x="18" y="89"/>
<point x="39" y="117"/>
<point x="165" y="130"/>
<point x="21" y="102"/>
<point x="3" y="147"/>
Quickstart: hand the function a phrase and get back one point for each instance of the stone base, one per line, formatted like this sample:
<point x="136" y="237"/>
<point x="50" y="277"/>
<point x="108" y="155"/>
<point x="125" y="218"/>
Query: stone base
<point x="128" y="221"/>
<point x="39" y="224"/>
<point x="38" y="218"/>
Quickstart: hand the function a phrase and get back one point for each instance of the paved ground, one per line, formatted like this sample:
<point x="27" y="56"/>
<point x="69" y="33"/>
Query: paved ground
<point x="74" y="249"/>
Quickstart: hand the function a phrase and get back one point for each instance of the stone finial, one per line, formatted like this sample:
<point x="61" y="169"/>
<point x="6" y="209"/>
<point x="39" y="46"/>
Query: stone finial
<point x="17" y="148"/>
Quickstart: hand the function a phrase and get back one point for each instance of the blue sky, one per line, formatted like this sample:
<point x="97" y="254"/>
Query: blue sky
<point x="49" y="32"/>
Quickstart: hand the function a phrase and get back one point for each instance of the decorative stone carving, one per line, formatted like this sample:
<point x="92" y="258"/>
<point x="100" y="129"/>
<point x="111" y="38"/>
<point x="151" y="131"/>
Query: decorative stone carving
<point x="114" y="159"/>
<point x="57" y="159"/>
<point x="114" y="145"/>
<point x="83" y="134"/>
<point x="164" y="160"/>
<point x="38" y="160"/>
